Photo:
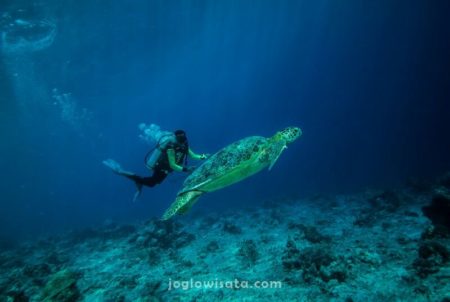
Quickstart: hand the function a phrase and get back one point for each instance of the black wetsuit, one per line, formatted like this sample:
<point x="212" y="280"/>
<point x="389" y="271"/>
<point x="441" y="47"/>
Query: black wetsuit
<point x="150" y="181"/>
<point x="162" y="167"/>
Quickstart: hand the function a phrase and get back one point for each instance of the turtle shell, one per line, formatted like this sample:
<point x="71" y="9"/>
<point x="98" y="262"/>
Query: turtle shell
<point x="225" y="161"/>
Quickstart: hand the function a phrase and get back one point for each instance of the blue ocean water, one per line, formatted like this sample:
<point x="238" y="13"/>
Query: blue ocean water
<point x="368" y="82"/>
<point x="356" y="209"/>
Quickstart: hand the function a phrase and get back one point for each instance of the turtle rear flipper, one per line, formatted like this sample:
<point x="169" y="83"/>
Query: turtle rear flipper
<point x="182" y="204"/>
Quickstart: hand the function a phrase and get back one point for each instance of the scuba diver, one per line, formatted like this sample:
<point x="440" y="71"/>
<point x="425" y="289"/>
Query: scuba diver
<point x="170" y="154"/>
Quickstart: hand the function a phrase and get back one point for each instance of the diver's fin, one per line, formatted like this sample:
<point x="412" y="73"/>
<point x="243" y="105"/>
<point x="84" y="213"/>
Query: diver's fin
<point x="277" y="155"/>
<point x="116" y="168"/>
<point x="138" y="191"/>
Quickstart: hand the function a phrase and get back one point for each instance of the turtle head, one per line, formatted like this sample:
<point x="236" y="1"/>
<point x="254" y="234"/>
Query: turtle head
<point x="279" y="142"/>
<point x="289" y="134"/>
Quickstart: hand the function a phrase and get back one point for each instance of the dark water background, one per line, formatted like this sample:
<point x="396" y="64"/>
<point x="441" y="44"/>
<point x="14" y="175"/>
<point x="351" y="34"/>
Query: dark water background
<point x="367" y="81"/>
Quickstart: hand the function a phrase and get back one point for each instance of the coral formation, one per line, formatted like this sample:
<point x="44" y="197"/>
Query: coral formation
<point x="311" y="246"/>
<point x="61" y="288"/>
<point x="432" y="255"/>
<point x="439" y="211"/>
<point x="248" y="253"/>
<point x="231" y="228"/>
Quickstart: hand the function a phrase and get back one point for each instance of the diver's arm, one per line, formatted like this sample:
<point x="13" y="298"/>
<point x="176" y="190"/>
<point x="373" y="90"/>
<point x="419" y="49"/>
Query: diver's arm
<point x="172" y="161"/>
<point x="197" y="156"/>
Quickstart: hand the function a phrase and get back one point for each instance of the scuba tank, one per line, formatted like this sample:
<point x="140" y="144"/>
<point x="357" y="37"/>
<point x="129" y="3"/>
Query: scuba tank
<point x="153" y="156"/>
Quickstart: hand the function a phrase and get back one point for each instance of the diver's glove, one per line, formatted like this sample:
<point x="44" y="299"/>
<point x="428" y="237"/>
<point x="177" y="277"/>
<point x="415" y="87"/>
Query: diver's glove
<point x="189" y="169"/>
<point x="204" y="156"/>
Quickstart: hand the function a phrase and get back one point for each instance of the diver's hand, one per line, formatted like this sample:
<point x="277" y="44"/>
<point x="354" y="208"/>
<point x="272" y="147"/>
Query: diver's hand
<point x="205" y="156"/>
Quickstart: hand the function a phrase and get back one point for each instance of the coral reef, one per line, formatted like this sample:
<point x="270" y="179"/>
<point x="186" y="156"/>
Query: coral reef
<point x="439" y="211"/>
<point x="388" y="245"/>
<point x="310" y="233"/>
<point x="315" y="263"/>
<point x="61" y="288"/>
<point x="431" y="257"/>
<point x="248" y="253"/>
<point x="231" y="228"/>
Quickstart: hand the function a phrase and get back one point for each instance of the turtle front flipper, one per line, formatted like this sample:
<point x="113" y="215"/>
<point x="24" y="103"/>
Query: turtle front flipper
<point x="278" y="143"/>
<point x="274" y="151"/>
<point x="182" y="204"/>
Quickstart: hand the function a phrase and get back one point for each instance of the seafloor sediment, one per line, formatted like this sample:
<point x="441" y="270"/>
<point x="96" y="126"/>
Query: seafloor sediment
<point x="373" y="246"/>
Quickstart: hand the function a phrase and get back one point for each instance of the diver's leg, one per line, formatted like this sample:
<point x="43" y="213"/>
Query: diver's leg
<point x="159" y="176"/>
<point x="116" y="168"/>
<point x="151" y="181"/>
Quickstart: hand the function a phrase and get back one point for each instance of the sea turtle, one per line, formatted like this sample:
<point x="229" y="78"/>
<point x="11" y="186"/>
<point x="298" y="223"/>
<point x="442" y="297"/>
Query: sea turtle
<point x="231" y="164"/>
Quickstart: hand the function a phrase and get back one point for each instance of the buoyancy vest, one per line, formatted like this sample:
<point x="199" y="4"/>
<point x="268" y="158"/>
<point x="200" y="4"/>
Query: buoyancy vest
<point x="157" y="159"/>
